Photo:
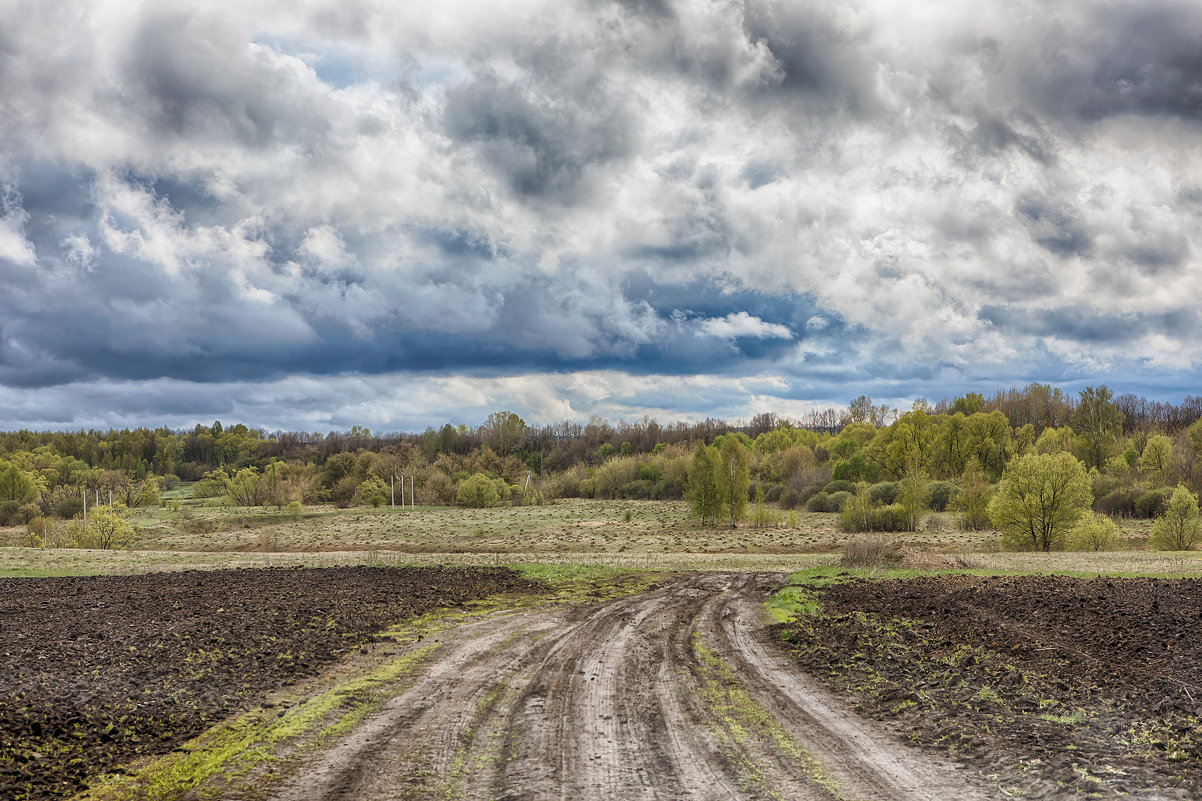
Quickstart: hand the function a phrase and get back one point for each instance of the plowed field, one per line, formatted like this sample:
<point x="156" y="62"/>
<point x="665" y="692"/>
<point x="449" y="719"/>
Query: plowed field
<point x="1058" y="686"/>
<point x="96" y="671"/>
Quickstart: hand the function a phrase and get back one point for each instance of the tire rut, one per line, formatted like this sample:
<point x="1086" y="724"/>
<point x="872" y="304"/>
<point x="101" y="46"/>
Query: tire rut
<point x="676" y="693"/>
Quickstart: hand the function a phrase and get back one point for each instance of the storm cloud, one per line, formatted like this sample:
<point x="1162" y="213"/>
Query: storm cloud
<point x="296" y="213"/>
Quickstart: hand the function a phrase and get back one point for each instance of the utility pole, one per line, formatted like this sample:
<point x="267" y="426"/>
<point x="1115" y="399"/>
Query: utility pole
<point x="85" y="508"/>
<point x="394" y="491"/>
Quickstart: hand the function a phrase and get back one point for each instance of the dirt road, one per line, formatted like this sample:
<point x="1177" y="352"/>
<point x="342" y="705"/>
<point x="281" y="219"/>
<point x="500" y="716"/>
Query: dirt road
<point x="672" y="694"/>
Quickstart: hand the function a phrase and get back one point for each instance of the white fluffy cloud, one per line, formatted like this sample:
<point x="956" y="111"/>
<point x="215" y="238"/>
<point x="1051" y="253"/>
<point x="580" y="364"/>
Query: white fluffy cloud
<point x="922" y="198"/>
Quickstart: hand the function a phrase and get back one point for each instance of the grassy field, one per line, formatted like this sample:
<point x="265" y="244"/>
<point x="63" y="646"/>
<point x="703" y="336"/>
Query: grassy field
<point x="568" y="526"/>
<point x="642" y="535"/>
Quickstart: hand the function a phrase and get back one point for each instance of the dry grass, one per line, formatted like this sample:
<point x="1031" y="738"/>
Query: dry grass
<point x="871" y="551"/>
<point x="658" y="535"/>
<point x="35" y="562"/>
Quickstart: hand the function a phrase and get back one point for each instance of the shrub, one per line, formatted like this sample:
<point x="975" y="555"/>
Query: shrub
<point x="940" y="494"/>
<point x="884" y="492"/>
<point x="889" y="518"/>
<point x="67" y="506"/>
<point x="807" y="492"/>
<point x="1103" y="484"/>
<point x="478" y="491"/>
<point x="826" y="502"/>
<point x="1177" y="529"/>
<point x="773" y="493"/>
<point x="789" y="500"/>
<point x="440" y="487"/>
<point x="638" y="490"/>
<point x="839" y="485"/>
<point x="869" y="551"/>
<point x="1118" y="503"/>
<point x="36" y="532"/>
<point x="820" y="502"/>
<point x="28" y="511"/>
<point x="1093" y="532"/>
<point x="649" y="472"/>
<point x="1153" y="502"/>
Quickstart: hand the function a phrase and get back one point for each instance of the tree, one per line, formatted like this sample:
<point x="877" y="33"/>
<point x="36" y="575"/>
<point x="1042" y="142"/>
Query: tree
<point x="1156" y="461"/>
<point x="969" y="403"/>
<point x="16" y="485"/>
<point x="861" y="410"/>
<point x="1039" y="499"/>
<point x="912" y="496"/>
<point x="504" y="431"/>
<point x="478" y="491"/>
<point x="1099" y="422"/>
<point x="972" y="501"/>
<point x="701" y="484"/>
<point x="108" y="529"/>
<point x="734" y="477"/>
<point x="1177" y="529"/>
<point x="245" y="488"/>
<point x="372" y="490"/>
<point x="147" y="493"/>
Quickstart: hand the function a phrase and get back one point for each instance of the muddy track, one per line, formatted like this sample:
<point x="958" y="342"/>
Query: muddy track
<point x="672" y="694"/>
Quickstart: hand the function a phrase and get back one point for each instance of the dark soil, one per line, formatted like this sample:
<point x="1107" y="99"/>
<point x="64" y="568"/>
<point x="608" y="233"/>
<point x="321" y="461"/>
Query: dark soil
<point x="1058" y="686"/>
<point x="97" y="671"/>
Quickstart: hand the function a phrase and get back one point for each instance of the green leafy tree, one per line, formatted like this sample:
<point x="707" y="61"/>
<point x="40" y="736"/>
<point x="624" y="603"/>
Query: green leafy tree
<point x="478" y="491"/>
<point x="912" y="495"/>
<point x="16" y="485"/>
<point x="701" y="484"/>
<point x="1098" y="422"/>
<point x="246" y="488"/>
<point x="972" y="501"/>
<point x="1156" y="462"/>
<point x="147" y="493"/>
<point x="1177" y="529"/>
<point x="734" y="477"/>
<point x="969" y="403"/>
<point x="108" y="529"/>
<point x="504" y="432"/>
<point x="212" y="485"/>
<point x="372" y="490"/>
<point x="1039" y="499"/>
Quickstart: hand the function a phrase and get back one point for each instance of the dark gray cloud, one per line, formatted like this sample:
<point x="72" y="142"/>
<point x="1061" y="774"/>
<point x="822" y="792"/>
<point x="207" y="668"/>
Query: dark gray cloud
<point x="645" y="205"/>
<point x="1138" y="58"/>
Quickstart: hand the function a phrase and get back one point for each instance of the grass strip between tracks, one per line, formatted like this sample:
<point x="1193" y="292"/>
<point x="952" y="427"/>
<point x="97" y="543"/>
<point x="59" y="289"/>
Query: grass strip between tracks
<point x="742" y="726"/>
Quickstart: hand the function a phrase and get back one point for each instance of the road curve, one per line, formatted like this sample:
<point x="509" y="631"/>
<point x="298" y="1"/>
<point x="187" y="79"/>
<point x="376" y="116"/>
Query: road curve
<point x="672" y="694"/>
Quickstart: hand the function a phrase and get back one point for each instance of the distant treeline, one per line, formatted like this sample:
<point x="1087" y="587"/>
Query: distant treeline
<point x="190" y="453"/>
<point x="1133" y="444"/>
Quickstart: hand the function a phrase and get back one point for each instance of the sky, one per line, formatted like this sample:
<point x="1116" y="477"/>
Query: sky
<point x="314" y="214"/>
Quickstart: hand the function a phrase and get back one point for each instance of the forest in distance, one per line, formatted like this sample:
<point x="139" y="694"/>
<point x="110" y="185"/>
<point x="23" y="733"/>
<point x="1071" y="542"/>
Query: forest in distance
<point x="879" y="467"/>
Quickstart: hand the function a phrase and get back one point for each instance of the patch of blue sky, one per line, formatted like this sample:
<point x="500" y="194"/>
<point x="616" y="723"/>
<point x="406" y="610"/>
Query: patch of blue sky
<point x="333" y="66"/>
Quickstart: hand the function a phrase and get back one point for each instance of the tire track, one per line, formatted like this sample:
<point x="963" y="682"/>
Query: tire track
<point x="672" y="694"/>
